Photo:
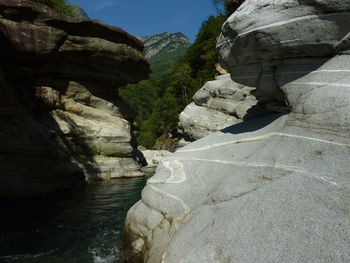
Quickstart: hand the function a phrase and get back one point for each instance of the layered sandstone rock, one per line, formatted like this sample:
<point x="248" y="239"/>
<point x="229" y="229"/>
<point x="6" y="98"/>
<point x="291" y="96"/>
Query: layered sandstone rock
<point x="275" y="188"/>
<point x="219" y="104"/>
<point x="61" y="118"/>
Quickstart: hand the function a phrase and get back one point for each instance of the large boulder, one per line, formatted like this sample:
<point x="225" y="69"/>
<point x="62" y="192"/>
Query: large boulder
<point x="218" y="104"/>
<point x="271" y="189"/>
<point x="62" y="122"/>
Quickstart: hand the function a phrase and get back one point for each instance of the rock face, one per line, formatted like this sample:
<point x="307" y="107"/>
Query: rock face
<point x="219" y="104"/>
<point x="153" y="157"/>
<point x="164" y="43"/>
<point x="61" y="118"/>
<point x="275" y="188"/>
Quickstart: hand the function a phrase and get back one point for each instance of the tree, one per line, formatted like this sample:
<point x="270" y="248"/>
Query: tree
<point x="202" y="54"/>
<point x="62" y="6"/>
<point x="230" y="5"/>
<point x="159" y="100"/>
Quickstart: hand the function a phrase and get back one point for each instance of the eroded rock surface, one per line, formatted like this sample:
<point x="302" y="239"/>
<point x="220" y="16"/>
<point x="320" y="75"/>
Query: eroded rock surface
<point x="153" y="157"/>
<point x="217" y="105"/>
<point x="275" y="188"/>
<point x="61" y="119"/>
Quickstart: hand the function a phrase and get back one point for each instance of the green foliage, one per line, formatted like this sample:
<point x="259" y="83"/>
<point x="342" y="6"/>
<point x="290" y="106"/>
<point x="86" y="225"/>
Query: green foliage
<point x="161" y="64"/>
<point x="62" y="6"/>
<point x="159" y="100"/>
<point x="202" y="55"/>
<point x="230" y="5"/>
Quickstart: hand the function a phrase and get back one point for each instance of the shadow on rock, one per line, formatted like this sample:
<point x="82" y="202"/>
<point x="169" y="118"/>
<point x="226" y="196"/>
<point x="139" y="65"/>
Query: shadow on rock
<point x="253" y="124"/>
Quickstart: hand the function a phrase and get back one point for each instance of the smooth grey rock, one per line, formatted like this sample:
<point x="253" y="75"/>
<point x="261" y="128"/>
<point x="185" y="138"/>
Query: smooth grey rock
<point x="153" y="157"/>
<point x="105" y="167"/>
<point x="274" y="188"/>
<point x="197" y="122"/>
<point x="217" y="105"/>
<point x="183" y="143"/>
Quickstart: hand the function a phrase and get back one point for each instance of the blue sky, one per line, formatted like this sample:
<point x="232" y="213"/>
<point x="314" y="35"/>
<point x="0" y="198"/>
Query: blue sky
<point x="150" y="17"/>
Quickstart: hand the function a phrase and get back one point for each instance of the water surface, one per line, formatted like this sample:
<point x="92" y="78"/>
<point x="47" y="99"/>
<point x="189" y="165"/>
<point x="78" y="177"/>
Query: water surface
<point x="73" y="227"/>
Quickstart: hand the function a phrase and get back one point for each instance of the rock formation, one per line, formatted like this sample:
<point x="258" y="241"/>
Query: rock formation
<point x="153" y="157"/>
<point x="275" y="188"/>
<point x="61" y="117"/>
<point x="219" y="104"/>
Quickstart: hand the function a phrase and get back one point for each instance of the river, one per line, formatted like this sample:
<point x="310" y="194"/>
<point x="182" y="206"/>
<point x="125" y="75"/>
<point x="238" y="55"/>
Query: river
<point x="75" y="227"/>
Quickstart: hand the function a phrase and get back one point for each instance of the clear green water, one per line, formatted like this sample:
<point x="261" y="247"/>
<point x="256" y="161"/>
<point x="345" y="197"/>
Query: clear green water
<point x="74" y="227"/>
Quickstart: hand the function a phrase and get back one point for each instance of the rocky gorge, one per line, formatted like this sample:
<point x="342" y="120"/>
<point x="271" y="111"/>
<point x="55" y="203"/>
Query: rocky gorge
<point x="275" y="188"/>
<point x="265" y="180"/>
<point x="62" y="121"/>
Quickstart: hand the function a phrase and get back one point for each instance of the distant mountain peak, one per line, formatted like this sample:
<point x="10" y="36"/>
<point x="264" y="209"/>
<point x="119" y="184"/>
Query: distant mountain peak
<point x="163" y="42"/>
<point x="82" y="14"/>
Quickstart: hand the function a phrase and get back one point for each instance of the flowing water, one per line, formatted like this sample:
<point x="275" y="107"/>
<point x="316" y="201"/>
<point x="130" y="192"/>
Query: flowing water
<point x="74" y="227"/>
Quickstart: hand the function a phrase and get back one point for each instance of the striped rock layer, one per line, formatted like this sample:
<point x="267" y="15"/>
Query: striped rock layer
<point x="275" y="188"/>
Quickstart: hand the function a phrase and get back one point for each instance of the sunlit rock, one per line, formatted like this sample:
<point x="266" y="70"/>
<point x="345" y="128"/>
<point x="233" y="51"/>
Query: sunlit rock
<point x="218" y="104"/>
<point x="275" y="188"/>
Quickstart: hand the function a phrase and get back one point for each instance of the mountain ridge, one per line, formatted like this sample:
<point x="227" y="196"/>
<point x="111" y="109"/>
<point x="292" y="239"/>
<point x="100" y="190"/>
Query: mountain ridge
<point x="163" y="43"/>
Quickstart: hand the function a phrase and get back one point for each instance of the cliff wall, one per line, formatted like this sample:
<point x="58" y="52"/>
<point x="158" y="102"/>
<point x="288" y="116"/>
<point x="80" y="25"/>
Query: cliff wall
<point x="62" y="121"/>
